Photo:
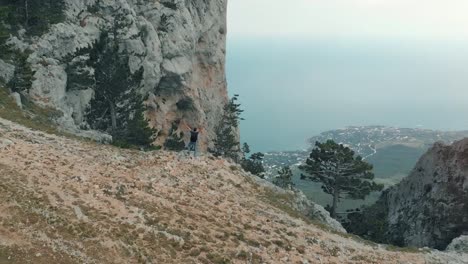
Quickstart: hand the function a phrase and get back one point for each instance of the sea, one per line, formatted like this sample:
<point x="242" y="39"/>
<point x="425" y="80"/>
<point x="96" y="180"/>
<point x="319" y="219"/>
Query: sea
<point x="294" y="88"/>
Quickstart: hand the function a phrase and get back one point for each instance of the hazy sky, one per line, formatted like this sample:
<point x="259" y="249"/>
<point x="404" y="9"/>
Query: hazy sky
<point x="306" y="66"/>
<point x="350" y="18"/>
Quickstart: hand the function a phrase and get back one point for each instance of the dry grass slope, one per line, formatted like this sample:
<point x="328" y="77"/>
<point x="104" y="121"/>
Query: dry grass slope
<point x="69" y="201"/>
<point x="31" y="116"/>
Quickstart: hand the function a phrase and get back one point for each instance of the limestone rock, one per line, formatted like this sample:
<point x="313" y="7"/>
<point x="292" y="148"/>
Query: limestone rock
<point x="429" y="207"/>
<point x="459" y="244"/>
<point x="17" y="98"/>
<point x="6" y="71"/>
<point x="49" y="86"/>
<point x="317" y="212"/>
<point x="180" y="45"/>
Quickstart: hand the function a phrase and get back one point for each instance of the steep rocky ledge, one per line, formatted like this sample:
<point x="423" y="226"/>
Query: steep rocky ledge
<point x="69" y="201"/>
<point x="430" y="206"/>
<point x="179" y="46"/>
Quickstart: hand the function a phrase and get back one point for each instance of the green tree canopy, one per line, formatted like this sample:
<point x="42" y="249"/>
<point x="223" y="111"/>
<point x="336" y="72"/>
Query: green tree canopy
<point x="33" y="15"/>
<point x="245" y="149"/>
<point x="254" y="164"/>
<point x="117" y="106"/>
<point x="227" y="142"/>
<point x="284" y="178"/>
<point x="342" y="174"/>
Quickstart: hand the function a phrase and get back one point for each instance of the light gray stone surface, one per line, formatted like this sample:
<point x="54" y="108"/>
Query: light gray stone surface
<point x="6" y="71"/>
<point x="459" y="244"/>
<point x="430" y="206"/>
<point x="17" y="98"/>
<point x="179" y="44"/>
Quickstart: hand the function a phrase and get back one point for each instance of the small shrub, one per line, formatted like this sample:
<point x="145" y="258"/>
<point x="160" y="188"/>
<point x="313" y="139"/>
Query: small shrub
<point x="175" y="143"/>
<point x="243" y="255"/>
<point x="284" y="178"/>
<point x="370" y="222"/>
<point x="138" y="132"/>
<point x="23" y="75"/>
<point x="254" y="164"/>
<point x="217" y="259"/>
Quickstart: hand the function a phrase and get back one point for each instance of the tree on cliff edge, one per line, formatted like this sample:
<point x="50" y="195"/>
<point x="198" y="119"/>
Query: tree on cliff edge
<point x="227" y="142"/>
<point x="284" y="179"/>
<point x="342" y="174"/>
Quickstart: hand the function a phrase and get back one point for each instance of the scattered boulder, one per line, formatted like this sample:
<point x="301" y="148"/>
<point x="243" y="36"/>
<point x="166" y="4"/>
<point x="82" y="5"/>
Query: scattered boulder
<point x="4" y="143"/>
<point x="459" y="245"/>
<point x="17" y="98"/>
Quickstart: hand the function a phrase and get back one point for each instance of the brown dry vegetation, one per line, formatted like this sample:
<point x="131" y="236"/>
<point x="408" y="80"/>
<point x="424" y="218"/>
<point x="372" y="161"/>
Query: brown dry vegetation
<point x="69" y="201"/>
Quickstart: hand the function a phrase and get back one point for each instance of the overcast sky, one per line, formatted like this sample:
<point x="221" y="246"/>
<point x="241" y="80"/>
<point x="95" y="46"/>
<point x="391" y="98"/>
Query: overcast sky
<point x="444" y="19"/>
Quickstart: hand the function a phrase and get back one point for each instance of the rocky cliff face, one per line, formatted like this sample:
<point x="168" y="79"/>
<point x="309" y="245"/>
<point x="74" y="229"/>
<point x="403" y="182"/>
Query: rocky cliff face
<point x="177" y="47"/>
<point x="430" y="207"/>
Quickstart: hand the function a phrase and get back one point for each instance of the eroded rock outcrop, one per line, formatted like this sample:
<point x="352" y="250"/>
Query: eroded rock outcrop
<point x="179" y="45"/>
<point x="430" y="207"/>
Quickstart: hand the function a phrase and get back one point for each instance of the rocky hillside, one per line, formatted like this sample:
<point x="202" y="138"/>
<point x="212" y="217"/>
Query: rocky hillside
<point x="430" y="206"/>
<point x="74" y="201"/>
<point x="97" y="61"/>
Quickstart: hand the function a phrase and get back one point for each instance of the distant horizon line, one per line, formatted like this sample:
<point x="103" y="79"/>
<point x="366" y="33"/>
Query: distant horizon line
<point x="435" y="40"/>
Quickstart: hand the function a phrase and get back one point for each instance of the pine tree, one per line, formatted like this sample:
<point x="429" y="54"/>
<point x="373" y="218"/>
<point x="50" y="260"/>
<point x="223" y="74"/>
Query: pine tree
<point x="245" y="149"/>
<point x="113" y="84"/>
<point x="284" y="178"/>
<point x="254" y="164"/>
<point x="227" y="143"/>
<point x="23" y="75"/>
<point x="4" y="30"/>
<point x="341" y="172"/>
<point x="117" y="107"/>
<point x="34" y="15"/>
<point x="137" y="132"/>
